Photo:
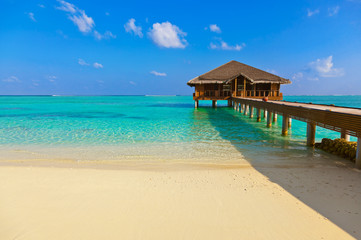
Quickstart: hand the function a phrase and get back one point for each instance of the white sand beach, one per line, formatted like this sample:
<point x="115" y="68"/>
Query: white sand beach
<point x="177" y="201"/>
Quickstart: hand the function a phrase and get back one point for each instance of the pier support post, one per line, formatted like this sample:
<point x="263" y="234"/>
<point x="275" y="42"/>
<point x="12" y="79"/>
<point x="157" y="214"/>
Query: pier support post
<point x="358" y="153"/>
<point x="196" y="104"/>
<point x="214" y="103"/>
<point x="289" y="122"/>
<point x="258" y="114"/>
<point x="284" y="125"/>
<point x="242" y="108"/>
<point x="229" y="103"/>
<point x="245" y="109"/>
<point x="265" y="113"/>
<point x="269" y="119"/>
<point x="311" y="134"/>
<point x="251" y="109"/>
<point x="274" y="117"/>
<point x="237" y="107"/>
<point x="344" y="135"/>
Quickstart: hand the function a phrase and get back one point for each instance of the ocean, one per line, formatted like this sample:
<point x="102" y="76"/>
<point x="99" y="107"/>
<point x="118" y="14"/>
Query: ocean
<point x="167" y="128"/>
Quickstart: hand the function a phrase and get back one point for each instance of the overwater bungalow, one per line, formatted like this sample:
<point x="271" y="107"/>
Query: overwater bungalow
<point x="235" y="79"/>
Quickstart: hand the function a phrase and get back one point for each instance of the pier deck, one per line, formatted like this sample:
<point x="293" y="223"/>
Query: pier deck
<point x="345" y="120"/>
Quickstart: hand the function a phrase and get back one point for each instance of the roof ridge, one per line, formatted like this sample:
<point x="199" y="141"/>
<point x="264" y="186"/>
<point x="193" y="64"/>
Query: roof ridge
<point x="233" y="69"/>
<point x="218" y="67"/>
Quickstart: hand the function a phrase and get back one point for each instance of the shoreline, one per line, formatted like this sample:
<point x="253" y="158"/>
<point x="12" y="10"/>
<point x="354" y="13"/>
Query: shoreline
<point x="158" y="201"/>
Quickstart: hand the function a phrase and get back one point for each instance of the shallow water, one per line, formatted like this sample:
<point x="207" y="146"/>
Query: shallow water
<point x="149" y="127"/>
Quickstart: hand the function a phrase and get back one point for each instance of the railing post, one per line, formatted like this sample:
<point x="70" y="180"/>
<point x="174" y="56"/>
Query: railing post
<point x="358" y="153"/>
<point x="258" y="114"/>
<point x="311" y="134"/>
<point x="284" y="124"/>
<point x="269" y="119"/>
<point x="344" y="135"/>
<point x="251" y="111"/>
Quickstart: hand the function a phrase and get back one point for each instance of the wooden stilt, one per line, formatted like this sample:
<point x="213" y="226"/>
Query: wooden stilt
<point x="245" y="109"/>
<point x="358" y="153"/>
<point x="344" y="135"/>
<point x="269" y="119"/>
<point x="214" y="103"/>
<point x="265" y="113"/>
<point x="242" y="108"/>
<point x="196" y="104"/>
<point x="311" y="134"/>
<point x="229" y="103"/>
<point x="251" y="109"/>
<point x="258" y="114"/>
<point x="284" y="125"/>
<point x="274" y="117"/>
<point x="289" y="122"/>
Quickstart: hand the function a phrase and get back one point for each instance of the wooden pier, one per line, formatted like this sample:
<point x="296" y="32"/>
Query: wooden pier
<point x="345" y="120"/>
<point x="244" y="87"/>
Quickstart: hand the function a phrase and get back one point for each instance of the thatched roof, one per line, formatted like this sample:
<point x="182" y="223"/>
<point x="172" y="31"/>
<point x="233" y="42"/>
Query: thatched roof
<point x="229" y="71"/>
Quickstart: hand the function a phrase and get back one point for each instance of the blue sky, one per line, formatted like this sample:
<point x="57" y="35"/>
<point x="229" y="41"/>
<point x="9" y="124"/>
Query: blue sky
<point x="79" y="47"/>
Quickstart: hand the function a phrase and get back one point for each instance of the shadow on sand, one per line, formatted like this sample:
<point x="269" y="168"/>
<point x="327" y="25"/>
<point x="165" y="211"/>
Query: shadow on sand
<point x="326" y="183"/>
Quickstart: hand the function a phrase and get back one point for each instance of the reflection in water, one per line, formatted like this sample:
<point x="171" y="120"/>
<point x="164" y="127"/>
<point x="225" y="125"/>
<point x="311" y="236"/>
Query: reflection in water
<point x="260" y="145"/>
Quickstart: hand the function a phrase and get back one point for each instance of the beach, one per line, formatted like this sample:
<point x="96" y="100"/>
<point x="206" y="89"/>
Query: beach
<point x="172" y="202"/>
<point x="156" y="168"/>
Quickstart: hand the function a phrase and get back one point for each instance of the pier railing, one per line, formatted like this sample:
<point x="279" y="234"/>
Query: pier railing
<point x="260" y="93"/>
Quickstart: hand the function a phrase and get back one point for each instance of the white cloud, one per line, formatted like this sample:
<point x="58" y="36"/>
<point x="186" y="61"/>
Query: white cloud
<point x="132" y="83"/>
<point x="61" y="33"/>
<point x="51" y="78"/>
<point x="297" y="76"/>
<point x="11" y="79"/>
<point x="131" y="27"/>
<point x="313" y="78"/>
<point x="167" y="35"/>
<point x="155" y="73"/>
<point x="224" y="46"/>
<point x="321" y="68"/>
<point x="84" y="23"/>
<point x="41" y="6"/>
<point x="31" y="16"/>
<point x="67" y="7"/>
<point x="214" y="28"/>
<point x="106" y="35"/>
<point x="82" y="62"/>
<point x="310" y="13"/>
<point x="324" y="68"/>
<point x="35" y="83"/>
<point x="271" y="71"/>
<point x="106" y="13"/>
<point x="333" y="11"/>
<point x="97" y="65"/>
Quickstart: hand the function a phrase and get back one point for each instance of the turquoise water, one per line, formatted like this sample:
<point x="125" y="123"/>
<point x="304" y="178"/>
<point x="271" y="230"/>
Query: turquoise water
<point x="142" y="124"/>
